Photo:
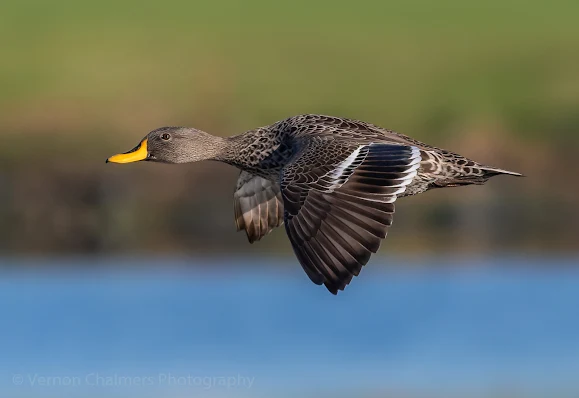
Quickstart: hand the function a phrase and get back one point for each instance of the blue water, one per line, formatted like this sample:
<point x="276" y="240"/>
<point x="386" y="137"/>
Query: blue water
<point x="168" y="329"/>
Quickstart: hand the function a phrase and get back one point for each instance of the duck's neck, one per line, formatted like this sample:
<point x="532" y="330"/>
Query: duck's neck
<point x="234" y="150"/>
<point x="201" y="146"/>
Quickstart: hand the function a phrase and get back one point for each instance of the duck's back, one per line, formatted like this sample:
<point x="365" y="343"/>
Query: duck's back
<point x="356" y="131"/>
<point x="438" y="168"/>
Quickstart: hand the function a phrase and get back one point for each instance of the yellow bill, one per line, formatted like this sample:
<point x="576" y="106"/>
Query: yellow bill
<point x="134" y="155"/>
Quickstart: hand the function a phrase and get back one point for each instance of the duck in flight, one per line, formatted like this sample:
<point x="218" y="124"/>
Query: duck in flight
<point x="331" y="181"/>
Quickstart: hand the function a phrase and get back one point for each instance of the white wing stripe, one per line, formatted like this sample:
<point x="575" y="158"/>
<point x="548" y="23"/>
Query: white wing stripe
<point x="338" y="171"/>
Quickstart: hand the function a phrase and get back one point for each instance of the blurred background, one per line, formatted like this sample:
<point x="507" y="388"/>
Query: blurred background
<point x="136" y="271"/>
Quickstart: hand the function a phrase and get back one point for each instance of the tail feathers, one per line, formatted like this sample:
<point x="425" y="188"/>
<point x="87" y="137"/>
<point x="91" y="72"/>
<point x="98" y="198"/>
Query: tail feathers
<point x="478" y="176"/>
<point x="492" y="171"/>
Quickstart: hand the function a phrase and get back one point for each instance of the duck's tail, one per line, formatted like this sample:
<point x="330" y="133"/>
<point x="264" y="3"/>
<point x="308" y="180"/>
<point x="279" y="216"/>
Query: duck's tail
<point x="493" y="171"/>
<point x="477" y="175"/>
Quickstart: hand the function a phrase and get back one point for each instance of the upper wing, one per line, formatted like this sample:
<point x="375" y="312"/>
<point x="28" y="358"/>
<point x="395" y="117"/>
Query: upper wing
<point x="339" y="202"/>
<point x="258" y="205"/>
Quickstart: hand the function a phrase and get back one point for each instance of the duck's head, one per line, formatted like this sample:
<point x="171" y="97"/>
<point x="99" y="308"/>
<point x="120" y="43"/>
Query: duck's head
<point x="173" y="145"/>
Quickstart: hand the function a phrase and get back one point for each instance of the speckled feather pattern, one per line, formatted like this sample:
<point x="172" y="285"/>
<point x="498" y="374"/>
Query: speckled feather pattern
<point x="336" y="180"/>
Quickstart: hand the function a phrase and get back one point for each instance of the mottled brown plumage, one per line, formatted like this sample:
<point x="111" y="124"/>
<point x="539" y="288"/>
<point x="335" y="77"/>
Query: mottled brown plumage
<point x="332" y="181"/>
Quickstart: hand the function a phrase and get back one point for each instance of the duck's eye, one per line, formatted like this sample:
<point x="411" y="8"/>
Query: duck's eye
<point x="165" y="136"/>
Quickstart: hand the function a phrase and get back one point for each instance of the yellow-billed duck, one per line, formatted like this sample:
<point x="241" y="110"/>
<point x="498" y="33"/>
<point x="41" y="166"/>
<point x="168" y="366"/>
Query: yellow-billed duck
<point x="332" y="181"/>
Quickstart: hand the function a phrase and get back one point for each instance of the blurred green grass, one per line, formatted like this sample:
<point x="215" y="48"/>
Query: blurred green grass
<point x="417" y="66"/>
<point x="497" y="81"/>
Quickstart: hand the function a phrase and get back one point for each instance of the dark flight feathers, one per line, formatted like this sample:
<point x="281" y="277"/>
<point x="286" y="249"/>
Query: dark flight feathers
<point x="337" y="213"/>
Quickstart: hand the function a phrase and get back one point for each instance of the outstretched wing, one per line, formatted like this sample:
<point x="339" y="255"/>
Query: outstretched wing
<point x="339" y="203"/>
<point x="258" y="205"/>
